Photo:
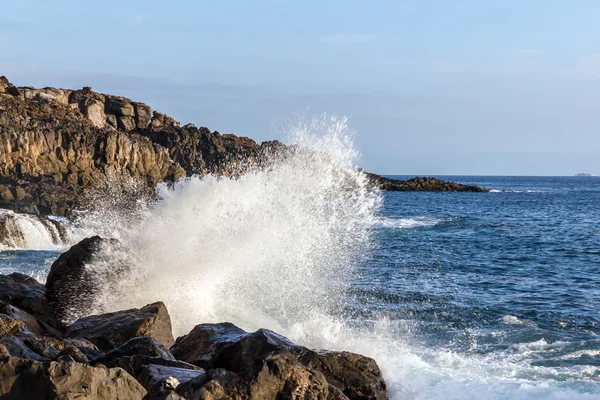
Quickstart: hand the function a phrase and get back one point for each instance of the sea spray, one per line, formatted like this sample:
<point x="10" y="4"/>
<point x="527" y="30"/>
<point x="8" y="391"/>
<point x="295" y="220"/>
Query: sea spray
<point x="270" y="248"/>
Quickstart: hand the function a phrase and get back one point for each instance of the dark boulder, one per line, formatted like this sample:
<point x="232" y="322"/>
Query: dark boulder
<point x="27" y="294"/>
<point x="420" y="184"/>
<point x="71" y="286"/>
<point x="111" y="330"/>
<point x="27" y="379"/>
<point x="140" y="346"/>
<point x="357" y="376"/>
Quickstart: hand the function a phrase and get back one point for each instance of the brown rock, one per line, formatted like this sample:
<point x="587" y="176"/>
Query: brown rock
<point x="213" y="346"/>
<point x="26" y="379"/>
<point x="111" y="330"/>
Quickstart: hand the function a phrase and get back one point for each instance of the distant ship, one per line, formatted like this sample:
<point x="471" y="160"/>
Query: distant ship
<point x="584" y="174"/>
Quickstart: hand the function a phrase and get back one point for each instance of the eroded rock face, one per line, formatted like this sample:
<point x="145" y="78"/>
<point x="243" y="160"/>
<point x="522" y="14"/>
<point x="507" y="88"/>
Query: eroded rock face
<point x="28" y="379"/>
<point x="111" y="330"/>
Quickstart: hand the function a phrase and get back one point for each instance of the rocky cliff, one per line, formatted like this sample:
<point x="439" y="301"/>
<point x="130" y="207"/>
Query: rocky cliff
<point x="56" y="142"/>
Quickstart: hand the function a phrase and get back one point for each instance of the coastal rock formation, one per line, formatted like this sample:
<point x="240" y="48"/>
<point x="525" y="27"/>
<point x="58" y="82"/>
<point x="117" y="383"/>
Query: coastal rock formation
<point x="419" y="184"/>
<point x="56" y="142"/>
<point x="126" y="355"/>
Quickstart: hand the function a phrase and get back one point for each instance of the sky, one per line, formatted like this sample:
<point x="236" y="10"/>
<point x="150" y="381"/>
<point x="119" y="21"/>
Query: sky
<point x="471" y="87"/>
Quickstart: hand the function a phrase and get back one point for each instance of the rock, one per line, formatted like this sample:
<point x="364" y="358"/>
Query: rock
<point x="138" y="346"/>
<point x="357" y="376"/>
<point x="419" y="184"/>
<point x="111" y="330"/>
<point x="69" y="285"/>
<point x="136" y="364"/>
<point x="206" y="341"/>
<point x="26" y="345"/>
<point x="225" y="346"/>
<point x="143" y="115"/>
<point x="27" y="379"/>
<point x="158" y="379"/>
<point x="27" y="294"/>
<point x="23" y="320"/>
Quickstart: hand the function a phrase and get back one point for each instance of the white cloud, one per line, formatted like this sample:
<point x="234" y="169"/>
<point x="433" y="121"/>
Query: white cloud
<point x="347" y="38"/>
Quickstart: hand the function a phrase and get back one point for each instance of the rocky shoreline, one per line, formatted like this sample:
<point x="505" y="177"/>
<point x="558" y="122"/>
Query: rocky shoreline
<point x="55" y="143"/>
<point x="132" y="354"/>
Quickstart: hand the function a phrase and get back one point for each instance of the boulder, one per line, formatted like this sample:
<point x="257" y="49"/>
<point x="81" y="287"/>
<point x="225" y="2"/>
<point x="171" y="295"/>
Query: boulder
<point x="27" y="379"/>
<point x="111" y="330"/>
<point x="160" y="379"/>
<point x="138" y="346"/>
<point x="357" y="376"/>
<point x="44" y="348"/>
<point x="225" y="346"/>
<point x="27" y="294"/>
<point x="71" y="287"/>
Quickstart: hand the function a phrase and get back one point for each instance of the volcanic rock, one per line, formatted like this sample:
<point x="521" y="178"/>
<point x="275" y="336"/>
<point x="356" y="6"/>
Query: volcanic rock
<point x="111" y="330"/>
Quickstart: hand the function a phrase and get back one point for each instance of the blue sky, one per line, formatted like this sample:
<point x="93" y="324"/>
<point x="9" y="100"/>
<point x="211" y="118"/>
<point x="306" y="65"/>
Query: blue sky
<point x="432" y="87"/>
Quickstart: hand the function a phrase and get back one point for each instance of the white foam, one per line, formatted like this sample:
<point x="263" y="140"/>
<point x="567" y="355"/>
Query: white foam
<point x="407" y="223"/>
<point x="30" y="232"/>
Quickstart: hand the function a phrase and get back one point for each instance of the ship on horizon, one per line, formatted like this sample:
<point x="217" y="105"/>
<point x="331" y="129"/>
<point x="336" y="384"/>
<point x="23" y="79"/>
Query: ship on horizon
<point x="585" y="174"/>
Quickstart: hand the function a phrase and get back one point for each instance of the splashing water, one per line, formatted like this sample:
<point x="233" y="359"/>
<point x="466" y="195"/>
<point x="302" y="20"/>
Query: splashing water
<point x="277" y="248"/>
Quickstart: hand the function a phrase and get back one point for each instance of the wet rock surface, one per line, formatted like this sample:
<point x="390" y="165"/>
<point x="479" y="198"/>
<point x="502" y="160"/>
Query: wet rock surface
<point x="111" y="330"/>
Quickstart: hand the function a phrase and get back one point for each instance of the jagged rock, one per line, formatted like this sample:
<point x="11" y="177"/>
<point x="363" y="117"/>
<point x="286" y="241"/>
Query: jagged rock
<point x="27" y="379"/>
<point x="226" y="346"/>
<point x="27" y="294"/>
<point x="138" y="346"/>
<point x="69" y="285"/>
<point x="111" y="330"/>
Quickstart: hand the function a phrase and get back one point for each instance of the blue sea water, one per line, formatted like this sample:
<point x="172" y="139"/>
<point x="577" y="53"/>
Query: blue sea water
<point x="511" y="279"/>
<point x="494" y="295"/>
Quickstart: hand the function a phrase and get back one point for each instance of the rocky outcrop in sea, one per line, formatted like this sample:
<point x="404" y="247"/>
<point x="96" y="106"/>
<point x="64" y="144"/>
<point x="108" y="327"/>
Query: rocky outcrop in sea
<point x="132" y="354"/>
<point x="54" y="143"/>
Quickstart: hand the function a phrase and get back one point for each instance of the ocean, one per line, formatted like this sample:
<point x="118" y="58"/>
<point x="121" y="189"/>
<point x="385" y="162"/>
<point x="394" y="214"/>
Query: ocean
<point x="456" y="295"/>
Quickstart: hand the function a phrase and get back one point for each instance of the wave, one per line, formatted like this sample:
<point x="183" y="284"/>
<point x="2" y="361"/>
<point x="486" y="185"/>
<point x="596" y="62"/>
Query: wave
<point x="32" y="232"/>
<point x="277" y="248"/>
<point x="407" y="223"/>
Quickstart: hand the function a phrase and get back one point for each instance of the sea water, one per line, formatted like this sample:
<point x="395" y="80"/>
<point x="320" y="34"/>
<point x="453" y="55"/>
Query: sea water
<point x="456" y="295"/>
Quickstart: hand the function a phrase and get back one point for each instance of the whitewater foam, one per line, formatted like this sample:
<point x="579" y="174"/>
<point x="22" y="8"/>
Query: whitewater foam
<point x="24" y="231"/>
